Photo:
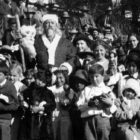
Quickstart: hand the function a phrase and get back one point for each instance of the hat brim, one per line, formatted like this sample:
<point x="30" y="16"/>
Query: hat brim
<point x="82" y="37"/>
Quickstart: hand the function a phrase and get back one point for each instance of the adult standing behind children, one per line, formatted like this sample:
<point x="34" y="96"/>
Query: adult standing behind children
<point x="8" y="102"/>
<point x="52" y="49"/>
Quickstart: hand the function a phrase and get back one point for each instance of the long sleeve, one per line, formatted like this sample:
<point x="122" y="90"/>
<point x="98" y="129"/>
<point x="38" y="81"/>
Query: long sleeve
<point x="50" y="105"/>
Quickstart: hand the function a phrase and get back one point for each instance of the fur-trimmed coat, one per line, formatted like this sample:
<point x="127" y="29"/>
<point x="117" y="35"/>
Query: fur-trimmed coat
<point x="64" y="52"/>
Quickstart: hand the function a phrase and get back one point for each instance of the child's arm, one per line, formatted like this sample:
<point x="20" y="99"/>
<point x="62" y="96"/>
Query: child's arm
<point x="121" y="115"/>
<point x="14" y="103"/>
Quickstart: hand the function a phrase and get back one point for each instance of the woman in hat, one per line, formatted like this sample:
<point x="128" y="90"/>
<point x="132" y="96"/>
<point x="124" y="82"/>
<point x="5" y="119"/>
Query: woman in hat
<point x="84" y="51"/>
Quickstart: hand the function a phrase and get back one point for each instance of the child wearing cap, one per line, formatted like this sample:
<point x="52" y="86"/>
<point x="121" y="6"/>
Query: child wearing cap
<point x="97" y="105"/>
<point x="80" y="80"/>
<point x="126" y="115"/>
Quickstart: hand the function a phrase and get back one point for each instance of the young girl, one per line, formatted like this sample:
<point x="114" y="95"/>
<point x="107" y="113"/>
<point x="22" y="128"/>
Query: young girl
<point x="61" y="118"/>
<point x="96" y="106"/>
<point x="126" y="114"/>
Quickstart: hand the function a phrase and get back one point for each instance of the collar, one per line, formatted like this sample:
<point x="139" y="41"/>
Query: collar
<point x="101" y="85"/>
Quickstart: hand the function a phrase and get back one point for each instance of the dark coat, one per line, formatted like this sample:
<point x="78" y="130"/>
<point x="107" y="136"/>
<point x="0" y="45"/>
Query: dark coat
<point x="39" y="126"/>
<point x="64" y="52"/>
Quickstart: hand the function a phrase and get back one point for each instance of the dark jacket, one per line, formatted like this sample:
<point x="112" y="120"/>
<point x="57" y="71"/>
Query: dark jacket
<point x="6" y="109"/>
<point x="40" y="125"/>
<point x="64" y="52"/>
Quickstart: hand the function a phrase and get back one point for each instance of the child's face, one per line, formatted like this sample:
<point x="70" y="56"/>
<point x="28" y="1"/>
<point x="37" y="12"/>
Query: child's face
<point x="14" y="76"/>
<point x="60" y="79"/>
<point x="128" y="95"/>
<point x="29" y="80"/>
<point x="80" y="86"/>
<point x="96" y="79"/>
<point x="132" y="68"/>
<point x="100" y="52"/>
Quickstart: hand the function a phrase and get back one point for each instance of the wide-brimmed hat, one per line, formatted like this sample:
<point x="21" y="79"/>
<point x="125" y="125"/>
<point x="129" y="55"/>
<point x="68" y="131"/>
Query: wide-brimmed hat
<point x="134" y="85"/>
<point x="134" y="56"/>
<point x="82" y="37"/>
<point x="81" y="75"/>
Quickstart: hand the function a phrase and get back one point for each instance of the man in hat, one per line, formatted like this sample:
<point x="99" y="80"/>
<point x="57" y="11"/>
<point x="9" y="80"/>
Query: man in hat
<point x="65" y="23"/>
<point x="86" y="18"/>
<point x="11" y="34"/>
<point x="52" y="49"/>
<point x="104" y="21"/>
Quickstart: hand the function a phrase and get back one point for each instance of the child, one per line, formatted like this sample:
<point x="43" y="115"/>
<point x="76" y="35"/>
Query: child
<point x="8" y="90"/>
<point x="16" y="77"/>
<point x="126" y="114"/>
<point x="113" y="73"/>
<point x="41" y="103"/>
<point x="61" y="118"/>
<point x="80" y="78"/>
<point x="133" y="67"/>
<point x="96" y="106"/>
<point x="29" y="77"/>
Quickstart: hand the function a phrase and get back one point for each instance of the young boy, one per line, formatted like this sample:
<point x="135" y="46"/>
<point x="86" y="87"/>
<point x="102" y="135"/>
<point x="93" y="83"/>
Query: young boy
<point x="8" y="102"/>
<point x="96" y="106"/>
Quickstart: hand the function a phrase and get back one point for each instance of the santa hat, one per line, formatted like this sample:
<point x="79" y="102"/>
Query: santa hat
<point x="134" y="85"/>
<point x="50" y="17"/>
